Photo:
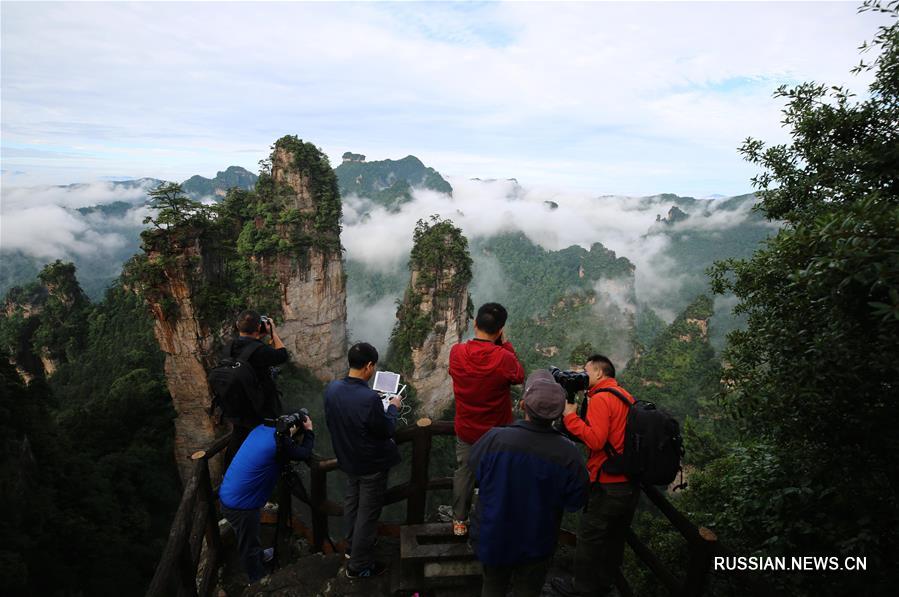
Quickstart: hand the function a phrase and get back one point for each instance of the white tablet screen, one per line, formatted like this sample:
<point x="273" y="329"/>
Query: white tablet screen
<point x="387" y="382"/>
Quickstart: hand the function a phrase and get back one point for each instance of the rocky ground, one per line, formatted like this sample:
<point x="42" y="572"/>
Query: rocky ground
<point x="320" y="575"/>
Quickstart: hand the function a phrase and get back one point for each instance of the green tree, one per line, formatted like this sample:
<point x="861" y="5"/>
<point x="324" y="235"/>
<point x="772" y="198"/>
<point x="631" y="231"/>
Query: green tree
<point x="814" y="379"/>
<point x="174" y="208"/>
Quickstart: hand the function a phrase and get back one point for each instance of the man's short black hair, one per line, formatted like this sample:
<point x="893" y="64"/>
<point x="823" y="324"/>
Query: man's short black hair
<point x="605" y="365"/>
<point x="491" y="318"/>
<point x="362" y="354"/>
<point x="248" y="321"/>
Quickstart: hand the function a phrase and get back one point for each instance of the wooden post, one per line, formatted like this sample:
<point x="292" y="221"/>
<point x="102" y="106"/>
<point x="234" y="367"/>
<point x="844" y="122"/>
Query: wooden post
<point x="206" y="502"/>
<point x="176" y="553"/>
<point x="700" y="562"/>
<point x="318" y="495"/>
<point x="418" y="481"/>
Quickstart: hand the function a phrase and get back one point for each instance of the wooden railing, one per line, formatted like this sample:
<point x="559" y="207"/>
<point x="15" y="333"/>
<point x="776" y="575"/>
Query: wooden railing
<point x="414" y="491"/>
<point x="195" y="519"/>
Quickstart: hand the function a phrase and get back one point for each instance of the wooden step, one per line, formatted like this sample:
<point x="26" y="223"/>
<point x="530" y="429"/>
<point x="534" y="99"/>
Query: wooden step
<point x="433" y="541"/>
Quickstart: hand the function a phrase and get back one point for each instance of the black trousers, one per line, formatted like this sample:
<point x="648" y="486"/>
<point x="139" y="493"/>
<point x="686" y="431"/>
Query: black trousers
<point x="362" y="507"/>
<point x="247" y="526"/>
<point x="525" y="580"/>
<point x="600" y="536"/>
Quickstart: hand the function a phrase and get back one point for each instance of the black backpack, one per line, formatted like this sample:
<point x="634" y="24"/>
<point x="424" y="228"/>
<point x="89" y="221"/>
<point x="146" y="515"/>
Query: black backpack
<point x="236" y="390"/>
<point x="653" y="445"/>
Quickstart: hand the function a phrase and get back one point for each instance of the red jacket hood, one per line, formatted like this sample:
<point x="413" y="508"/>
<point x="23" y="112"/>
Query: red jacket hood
<point x="480" y="358"/>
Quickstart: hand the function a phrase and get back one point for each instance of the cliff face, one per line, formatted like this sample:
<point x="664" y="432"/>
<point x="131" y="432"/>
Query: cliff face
<point x="275" y="249"/>
<point x="170" y="278"/>
<point x="310" y="278"/>
<point x="450" y="316"/>
<point x="434" y="314"/>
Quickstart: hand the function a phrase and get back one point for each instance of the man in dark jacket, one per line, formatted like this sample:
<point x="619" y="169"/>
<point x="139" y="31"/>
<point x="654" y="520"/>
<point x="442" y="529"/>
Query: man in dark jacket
<point x="252" y="330"/>
<point x="483" y="371"/>
<point x="362" y="436"/>
<point x="528" y="473"/>
<point x="613" y="498"/>
<point x="250" y="480"/>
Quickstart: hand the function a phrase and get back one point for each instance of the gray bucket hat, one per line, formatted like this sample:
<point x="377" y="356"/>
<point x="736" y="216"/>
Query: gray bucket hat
<point x="543" y="397"/>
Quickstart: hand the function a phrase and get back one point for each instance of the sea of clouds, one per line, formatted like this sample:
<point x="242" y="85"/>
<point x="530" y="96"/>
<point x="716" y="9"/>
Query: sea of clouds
<point x="43" y="222"/>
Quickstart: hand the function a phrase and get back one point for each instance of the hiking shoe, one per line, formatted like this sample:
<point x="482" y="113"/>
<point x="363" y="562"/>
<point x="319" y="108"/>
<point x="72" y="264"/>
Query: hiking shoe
<point x="564" y="587"/>
<point x="376" y="569"/>
<point x="268" y="554"/>
<point x="460" y="528"/>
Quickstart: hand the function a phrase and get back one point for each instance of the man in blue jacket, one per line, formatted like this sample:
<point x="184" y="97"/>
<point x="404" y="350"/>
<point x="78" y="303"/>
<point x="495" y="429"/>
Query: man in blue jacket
<point x="362" y="436"/>
<point x="249" y="481"/>
<point x="528" y="473"/>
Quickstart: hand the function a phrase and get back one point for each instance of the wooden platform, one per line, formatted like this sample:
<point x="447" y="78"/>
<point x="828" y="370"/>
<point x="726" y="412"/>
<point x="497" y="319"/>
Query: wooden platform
<point x="432" y="557"/>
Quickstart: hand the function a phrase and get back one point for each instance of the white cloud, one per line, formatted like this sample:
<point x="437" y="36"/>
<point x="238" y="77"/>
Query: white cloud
<point x="43" y="221"/>
<point x="371" y="322"/>
<point x="51" y="231"/>
<point x="73" y="196"/>
<point x="382" y="240"/>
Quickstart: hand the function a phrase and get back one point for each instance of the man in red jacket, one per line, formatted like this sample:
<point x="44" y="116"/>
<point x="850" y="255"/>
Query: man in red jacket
<point x="483" y="369"/>
<point x="613" y="498"/>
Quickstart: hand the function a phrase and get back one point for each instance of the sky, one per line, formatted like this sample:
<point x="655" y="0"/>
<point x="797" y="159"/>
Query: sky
<point x="607" y="98"/>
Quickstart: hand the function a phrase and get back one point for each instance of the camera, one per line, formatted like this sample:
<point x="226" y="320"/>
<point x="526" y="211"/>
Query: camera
<point x="571" y="381"/>
<point x="265" y="324"/>
<point x="284" y="423"/>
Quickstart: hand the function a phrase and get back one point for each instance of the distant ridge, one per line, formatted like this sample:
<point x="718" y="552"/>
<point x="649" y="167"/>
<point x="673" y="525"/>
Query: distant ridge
<point x="388" y="183"/>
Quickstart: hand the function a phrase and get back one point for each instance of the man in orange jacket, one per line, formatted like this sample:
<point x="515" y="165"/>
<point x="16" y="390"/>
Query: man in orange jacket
<point x="613" y="498"/>
<point x="483" y="370"/>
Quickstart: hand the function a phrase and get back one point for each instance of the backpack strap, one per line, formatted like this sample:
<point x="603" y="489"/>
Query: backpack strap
<point x="249" y="350"/>
<point x="608" y="447"/>
<point x="618" y="394"/>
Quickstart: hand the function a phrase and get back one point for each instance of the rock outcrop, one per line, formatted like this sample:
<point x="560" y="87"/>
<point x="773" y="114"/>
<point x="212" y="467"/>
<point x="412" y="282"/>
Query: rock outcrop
<point x="275" y="249"/>
<point x="43" y="320"/>
<point x="310" y="275"/>
<point x="169" y="278"/>
<point x="434" y="314"/>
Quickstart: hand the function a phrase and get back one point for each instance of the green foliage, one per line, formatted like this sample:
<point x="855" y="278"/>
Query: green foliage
<point x="174" y="209"/>
<point x="538" y="278"/>
<point x="313" y="164"/>
<point x="648" y="325"/>
<point x="62" y="313"/>
<point x="227" y="253"/>
<point x="814" y="378"/>
<point x="439" y="247"/>
<point x="87" y="481"/>
<point x="679" y="371"/>
<point x="45" y="318"/>
<point x="580" y="353"/>
<point x="552" y="301"/>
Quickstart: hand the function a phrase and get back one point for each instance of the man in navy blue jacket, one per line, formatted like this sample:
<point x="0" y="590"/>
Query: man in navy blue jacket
<point x="362" y="436"/>
<point x="528" y="473"/>
<point x="248" y="483"/>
